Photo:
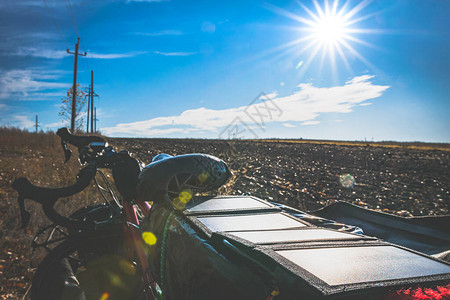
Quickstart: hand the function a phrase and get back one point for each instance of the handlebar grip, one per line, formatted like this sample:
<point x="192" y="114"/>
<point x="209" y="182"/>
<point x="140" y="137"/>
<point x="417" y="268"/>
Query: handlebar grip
<point x="77" y="140"/>
<point x="48" y="196"/>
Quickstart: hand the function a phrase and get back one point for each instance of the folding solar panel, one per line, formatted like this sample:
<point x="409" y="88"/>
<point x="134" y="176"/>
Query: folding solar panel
<point x="247" y="245"/>
<point x="224" y="204"/>
<point x="295" y="236"/>
<point x="266" y="221"/>
<point x="351" y="265"/>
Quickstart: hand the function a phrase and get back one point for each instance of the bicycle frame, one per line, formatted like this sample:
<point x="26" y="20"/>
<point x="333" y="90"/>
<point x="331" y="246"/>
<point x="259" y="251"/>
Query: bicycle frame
<point x="132" y="232"/>
<point x="133" y="241"/>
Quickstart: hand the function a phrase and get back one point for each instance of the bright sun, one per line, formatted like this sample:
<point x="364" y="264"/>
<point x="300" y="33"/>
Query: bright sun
<point x="330" y="29"/>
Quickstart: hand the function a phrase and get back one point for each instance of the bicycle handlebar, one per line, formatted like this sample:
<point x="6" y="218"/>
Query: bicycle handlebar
<point x="100" y="156"/>
<point x="77" y="140"/>
<point x="48" y="196"/>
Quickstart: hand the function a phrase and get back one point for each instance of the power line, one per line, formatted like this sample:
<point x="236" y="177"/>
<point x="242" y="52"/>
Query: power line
<point x="86" y="60"/>
<point x="74" y="21"/>
<point x="85" y="67"/>
<point x="56" y="25"/>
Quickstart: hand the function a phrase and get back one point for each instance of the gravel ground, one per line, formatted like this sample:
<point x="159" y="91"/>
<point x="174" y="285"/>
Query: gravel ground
<point x="393" y="178"/>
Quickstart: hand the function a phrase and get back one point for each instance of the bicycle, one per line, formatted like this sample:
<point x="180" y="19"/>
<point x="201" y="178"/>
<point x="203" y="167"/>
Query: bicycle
<point x="238" y="247"/>
<point x="101" y="251"/>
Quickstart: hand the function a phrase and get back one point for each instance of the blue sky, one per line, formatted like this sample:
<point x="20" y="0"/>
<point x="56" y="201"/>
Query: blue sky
<point x="345" y="70"/>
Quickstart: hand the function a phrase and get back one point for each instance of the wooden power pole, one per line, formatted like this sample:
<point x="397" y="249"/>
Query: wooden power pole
<point x="37" y="124"/>
<point x="88" y="107"/>
<point x="74" y="87"/>
<point x="92" y="100"/>
<point x="91" y="97"/>
<point x="95" y="119"/>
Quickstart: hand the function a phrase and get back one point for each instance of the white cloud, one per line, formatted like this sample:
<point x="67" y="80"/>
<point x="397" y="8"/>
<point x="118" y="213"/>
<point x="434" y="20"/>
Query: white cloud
<point x="56" y="125"/>
<point x="160" y="33"/>
<point x="148" y="1"/>
<point x="289" y="125"/>
<point x="174" y="53"/>
<point x="30" y="84"/>
<point x="208" y="27"/>
<point x="359" y="79"/>
<point x="304" y="105"/>
<point x="365" y="104"/>
<point x="22" y="121"/>
<point x="59" y="54"/>
<point x="114" y="55"/>
<point x="310" y="123"/>
<point x="43" y="53"/>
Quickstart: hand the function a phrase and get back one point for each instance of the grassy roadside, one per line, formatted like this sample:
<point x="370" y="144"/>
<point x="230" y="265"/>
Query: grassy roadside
<point x="39" y="157"/>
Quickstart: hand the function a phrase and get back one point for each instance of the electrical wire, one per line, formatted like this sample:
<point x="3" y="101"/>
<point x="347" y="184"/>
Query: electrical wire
<point x="56" y="25"/>
<point x="74" y="21"/>
<point x="87" y="61"/>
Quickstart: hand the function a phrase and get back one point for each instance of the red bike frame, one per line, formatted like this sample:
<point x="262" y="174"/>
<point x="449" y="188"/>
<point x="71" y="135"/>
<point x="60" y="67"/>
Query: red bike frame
<point x="132" y="233"/>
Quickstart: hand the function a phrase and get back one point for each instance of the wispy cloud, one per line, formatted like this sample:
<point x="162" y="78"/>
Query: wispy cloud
<point x="174" y="53"/>
<point x="59" y="54"/>
<point x="30" y="84"/>
<point x="148" y="1"/>
<point x="208" y="27"/>
<point x="43" y="53"/>
<point x="56" y="125"/>
<point x="160" y="33"/>
<point x="114" y="55"/>
<point x="289" y="125"/>
<point x="22" y="121"/>
<point x="310" y="123"/>
<point x="304" y="106"/>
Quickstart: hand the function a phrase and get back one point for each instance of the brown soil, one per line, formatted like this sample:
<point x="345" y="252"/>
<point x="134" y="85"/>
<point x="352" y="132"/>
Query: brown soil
<point x="393" y="178"/>
<point x="397" y="178"/>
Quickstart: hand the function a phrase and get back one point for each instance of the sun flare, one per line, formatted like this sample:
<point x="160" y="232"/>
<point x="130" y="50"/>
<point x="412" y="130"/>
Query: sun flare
<point x="330" y="28"/>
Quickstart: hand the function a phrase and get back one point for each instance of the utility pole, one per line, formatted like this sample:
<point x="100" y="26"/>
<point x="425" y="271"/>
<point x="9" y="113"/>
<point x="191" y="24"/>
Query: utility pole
<point x="95" y="119"/>
<point x="92" y="95"/>
<point x="89" y="103"/>
<point x="74" y="88"/>
<point x="92" y="98"/>
<point x="37" y="124"/>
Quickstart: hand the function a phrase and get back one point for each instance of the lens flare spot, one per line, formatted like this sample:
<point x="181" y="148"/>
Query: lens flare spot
<point x="185" y="196"/>
<point x="127" y="267"/>
<point x="149" y="238"/>
<point x="115" y="279"/>
<point x="202" y="177"/>
<point x="178" y="204"/>
<point x="347" y="180"/>
<point x="104" y="296"/>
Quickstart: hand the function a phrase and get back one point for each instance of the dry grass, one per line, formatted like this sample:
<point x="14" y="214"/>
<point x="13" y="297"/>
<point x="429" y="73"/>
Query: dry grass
<point x="39" y="157"/>
<point x="411" y="145"/>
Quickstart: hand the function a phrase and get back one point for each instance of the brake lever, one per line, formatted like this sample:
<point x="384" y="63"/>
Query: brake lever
<point x="67" y="151"/>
